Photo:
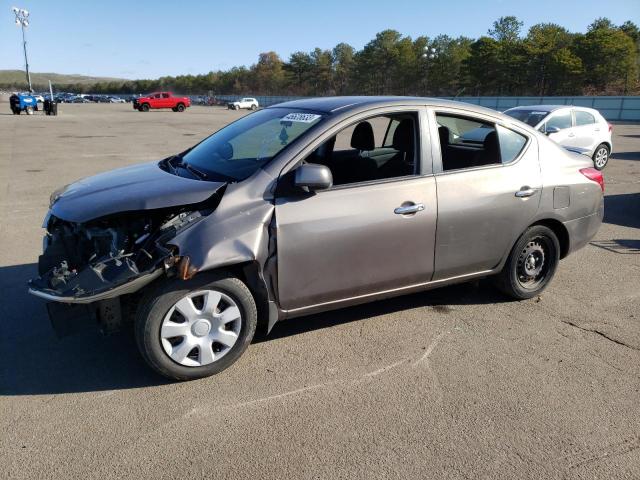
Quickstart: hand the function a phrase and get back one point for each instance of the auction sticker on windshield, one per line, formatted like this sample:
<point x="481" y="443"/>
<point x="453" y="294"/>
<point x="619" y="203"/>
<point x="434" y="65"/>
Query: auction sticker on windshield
<point x="300" y="117"/>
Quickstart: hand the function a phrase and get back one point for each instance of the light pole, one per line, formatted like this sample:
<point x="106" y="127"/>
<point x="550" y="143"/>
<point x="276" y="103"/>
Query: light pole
<point x="22" y="19"/>
<point x="429" y="54"/>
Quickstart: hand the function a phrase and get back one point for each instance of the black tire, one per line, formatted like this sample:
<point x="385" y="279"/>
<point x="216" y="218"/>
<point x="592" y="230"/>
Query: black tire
<point x="601" y="156"/>
<point x="174" y="109"/>
<point x="157" y="302"/>
<point x="180" y="108"/>
<point x="144" y="107"/>
<point x="253" y="107"/>
<point x="538" y="243"/>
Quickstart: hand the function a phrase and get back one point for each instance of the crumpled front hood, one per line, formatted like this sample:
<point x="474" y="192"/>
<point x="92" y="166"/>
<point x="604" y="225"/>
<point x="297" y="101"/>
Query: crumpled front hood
<point x="139" y="187"/>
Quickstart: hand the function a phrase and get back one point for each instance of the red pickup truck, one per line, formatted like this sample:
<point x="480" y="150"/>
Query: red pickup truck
<point x="161" y="100"/>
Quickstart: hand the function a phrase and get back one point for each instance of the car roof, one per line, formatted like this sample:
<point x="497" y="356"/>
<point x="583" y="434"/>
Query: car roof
<point x="541" y="108"/>
<point x="335" y="104"/>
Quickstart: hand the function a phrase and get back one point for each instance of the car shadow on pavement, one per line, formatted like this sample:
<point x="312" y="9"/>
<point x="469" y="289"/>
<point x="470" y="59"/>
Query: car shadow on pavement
<point x="623" y="209"/>
<point x="36" y="362"/>
<point x="625" y="155"/>
<point x="621" y="246"/>
<point x="441" y="300"/>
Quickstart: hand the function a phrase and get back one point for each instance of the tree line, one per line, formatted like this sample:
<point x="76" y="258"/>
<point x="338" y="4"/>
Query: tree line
<point x="547" y="60"/>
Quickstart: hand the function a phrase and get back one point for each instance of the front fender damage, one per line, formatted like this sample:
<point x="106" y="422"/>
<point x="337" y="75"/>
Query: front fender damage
<point x="96" y="262"/>
<point x="92" y="266"/>
<point x="241" y="232"/>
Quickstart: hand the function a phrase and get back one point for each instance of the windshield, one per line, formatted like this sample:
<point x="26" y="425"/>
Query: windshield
<point x="531" y="117"/>
<point x="238" y="150"/>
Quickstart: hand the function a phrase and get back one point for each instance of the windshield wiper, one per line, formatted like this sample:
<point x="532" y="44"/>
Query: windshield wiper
<point x="198" y="173"/>
<point x="182" y="164"/>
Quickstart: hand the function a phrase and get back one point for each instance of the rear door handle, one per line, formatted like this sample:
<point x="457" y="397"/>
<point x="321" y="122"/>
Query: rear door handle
<point x="525" y="192"/>
<point x="408" y="209"/>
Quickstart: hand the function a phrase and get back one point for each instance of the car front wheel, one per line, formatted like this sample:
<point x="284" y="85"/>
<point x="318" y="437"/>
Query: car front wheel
<point x="531" y="263"/>
<point x="144" y="107"/>
<point x="195" y="328"/>
<point x="601" y="156"/>
<point x="180" y="108"/>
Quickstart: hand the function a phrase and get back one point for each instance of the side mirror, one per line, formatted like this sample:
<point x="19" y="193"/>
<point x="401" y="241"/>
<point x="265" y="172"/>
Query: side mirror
<point x="312" y="176"/>
<point x="550" y="130"/>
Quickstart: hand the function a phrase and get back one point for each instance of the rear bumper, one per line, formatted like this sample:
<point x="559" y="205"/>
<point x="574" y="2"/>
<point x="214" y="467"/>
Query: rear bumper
<point x="582" y="230"/>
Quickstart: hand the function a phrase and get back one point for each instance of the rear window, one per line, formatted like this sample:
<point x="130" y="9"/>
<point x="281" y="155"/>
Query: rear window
<point x="530" y="117"/>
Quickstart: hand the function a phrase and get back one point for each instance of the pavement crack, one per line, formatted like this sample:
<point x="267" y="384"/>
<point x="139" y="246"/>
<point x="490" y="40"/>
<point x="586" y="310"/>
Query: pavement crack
<point x="429" y="349"/>
<point x="602" y="334"/>
<point x="626" y="446"/>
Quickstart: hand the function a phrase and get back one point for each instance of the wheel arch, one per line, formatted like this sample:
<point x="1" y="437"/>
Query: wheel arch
<point x="250" y="273"/>
<point x="561" y="232"/>
<point x="607" y="143"/>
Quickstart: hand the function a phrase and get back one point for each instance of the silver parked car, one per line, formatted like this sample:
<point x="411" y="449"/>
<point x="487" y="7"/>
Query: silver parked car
<point x="580" y="129"/>
<point x="308" y="206"/>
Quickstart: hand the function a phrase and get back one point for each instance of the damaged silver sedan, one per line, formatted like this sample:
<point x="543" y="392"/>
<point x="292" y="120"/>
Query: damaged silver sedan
<point x="308" y="206"/>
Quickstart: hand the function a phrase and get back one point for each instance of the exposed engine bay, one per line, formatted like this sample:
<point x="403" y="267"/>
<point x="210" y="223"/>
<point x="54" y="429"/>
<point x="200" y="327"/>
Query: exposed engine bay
<point x="81" y="261"/>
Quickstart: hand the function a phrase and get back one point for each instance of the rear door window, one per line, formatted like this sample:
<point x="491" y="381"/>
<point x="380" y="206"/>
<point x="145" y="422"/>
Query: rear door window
<point x="468" y="142"/>
<point x="583" y="118"/>
<point x="560" y="120"/>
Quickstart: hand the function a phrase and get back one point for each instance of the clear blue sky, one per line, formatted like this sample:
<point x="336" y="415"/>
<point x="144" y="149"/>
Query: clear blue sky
<point x="148" y="39"/>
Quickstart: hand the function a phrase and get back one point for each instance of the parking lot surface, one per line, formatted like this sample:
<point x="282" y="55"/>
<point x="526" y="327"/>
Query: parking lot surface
<point x="453" y="383"/>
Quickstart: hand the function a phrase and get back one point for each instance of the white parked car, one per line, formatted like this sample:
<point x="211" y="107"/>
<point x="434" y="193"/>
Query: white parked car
<point x="578" y="129"/>
<point x="116" y="100"/>
<point x="249" y="103"/>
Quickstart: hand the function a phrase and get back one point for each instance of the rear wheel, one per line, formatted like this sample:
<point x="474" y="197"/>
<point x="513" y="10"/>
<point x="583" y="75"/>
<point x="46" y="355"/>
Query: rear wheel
<point x="531" y="263"/>
<point x="195" y="328"/>
<point x="180" y="108"/>
<point x="144" y="107"/>
<point x="29" y="110"/>
<point x="253" y="107"/>
<point x="601" y="156"/>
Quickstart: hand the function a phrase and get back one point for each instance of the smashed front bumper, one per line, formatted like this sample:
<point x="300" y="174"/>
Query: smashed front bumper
<point x="107" y="291"/>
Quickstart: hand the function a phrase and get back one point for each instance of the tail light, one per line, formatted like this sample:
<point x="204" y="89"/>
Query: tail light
<point x="594" y="175"/>
<point x="610" y="128"/>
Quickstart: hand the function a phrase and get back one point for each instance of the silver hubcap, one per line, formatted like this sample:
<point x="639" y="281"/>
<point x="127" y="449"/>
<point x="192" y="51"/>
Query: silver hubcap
<point x="201" y="328"/>
<point x="601" y="157"/>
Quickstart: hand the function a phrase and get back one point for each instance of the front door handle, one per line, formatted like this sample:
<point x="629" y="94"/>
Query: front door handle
<point x="571" y="134"/>
<point x="525" y="192"/>
<point x="409" y="209"/>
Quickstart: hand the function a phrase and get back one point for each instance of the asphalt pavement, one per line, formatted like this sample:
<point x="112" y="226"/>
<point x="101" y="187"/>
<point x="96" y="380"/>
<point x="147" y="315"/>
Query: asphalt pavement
<point x="458" y="382"/>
